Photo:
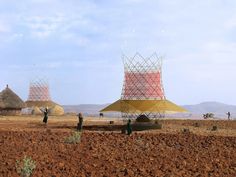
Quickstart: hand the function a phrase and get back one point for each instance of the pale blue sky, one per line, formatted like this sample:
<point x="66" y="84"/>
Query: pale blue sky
<point x="77" y="46"/>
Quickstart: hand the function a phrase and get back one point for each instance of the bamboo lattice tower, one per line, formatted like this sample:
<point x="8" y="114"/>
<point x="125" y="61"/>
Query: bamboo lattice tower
<point x="142" y="81"/>
<point x="39" y="91"/>
<point x="143" y="94"/>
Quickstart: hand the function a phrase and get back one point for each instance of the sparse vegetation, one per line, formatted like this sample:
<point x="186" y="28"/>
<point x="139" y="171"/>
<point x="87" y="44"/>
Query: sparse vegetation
<point x="214" y="128"/>
<point x="74" y="138"/>
<point x="186" y="130"/>
<point x="25" y="167"/>
<point x="196" y="124"/>
<point x="208" y="115"/>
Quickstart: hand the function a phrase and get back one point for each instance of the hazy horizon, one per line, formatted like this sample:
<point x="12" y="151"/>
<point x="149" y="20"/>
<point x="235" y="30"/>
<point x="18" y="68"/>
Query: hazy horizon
<point x="76" y="45"/>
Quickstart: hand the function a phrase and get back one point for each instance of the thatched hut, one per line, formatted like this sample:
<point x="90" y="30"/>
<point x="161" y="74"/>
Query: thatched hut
<point x="36" y="107"/>
<point x="10" y="103"/>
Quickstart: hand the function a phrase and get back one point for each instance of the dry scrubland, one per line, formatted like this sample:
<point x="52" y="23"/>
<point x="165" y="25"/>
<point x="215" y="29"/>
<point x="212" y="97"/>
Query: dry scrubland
<point x="102" y="152"/>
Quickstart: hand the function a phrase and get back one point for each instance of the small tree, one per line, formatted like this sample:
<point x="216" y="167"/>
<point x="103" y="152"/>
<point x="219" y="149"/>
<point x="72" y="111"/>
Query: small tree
<point x="208" y="115"/>
<point x="25" y="167"/>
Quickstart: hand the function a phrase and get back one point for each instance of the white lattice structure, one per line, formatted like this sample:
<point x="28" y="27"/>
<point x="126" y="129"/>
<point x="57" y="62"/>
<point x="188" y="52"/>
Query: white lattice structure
<point x="142" y="80"/>
<point x="39" y="91"/>
<point x="143" y="95"/>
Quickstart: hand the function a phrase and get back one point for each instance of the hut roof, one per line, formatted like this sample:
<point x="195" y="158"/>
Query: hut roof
<point x="55" y="109"/>
<point x="9" y="100"/>
<point x="40" y="103"/>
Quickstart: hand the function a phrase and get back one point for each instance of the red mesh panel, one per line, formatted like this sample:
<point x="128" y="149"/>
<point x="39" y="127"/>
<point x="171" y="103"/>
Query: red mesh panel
<point x="39" y="93"/>
<point x="143" y="86"/>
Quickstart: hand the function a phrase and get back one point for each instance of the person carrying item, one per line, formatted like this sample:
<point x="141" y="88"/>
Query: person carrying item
<point x="45" y="118"/>
<point x="80" y="124"/>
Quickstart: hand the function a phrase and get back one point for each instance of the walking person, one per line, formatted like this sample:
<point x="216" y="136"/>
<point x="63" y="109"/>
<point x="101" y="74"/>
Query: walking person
<point x="45" y="118"/>
<point x="129" y="128"/>
<point x="228" y="114"/>
<point x="80" y="124"/>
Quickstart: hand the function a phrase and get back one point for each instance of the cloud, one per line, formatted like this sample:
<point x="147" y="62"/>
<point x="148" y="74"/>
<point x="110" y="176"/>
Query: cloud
<point x="220" y="47"/>
<point x="4" y="28"/>
<point x="75" y="38"/>
<point x="230" y="23"/>
<point x="42" y="27"/>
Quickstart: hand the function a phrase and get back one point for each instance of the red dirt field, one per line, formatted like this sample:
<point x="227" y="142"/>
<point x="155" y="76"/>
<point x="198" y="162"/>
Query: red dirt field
<point x="165" y="152"/>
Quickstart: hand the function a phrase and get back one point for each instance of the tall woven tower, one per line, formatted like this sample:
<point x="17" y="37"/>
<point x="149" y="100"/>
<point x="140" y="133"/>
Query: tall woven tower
<point x="143" y="78"/>
<point x="143" y="93"/>
<point x="39" y="91"/>
<point x="39" y="99"/>
<point x="142" y="81"/>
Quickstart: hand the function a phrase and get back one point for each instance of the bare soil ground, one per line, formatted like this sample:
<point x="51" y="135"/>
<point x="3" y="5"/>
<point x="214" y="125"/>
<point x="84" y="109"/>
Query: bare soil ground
<point x="102" y="152"/>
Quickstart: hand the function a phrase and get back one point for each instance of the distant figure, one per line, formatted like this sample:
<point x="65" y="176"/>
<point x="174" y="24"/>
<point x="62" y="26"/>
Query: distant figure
<point x="228" y="114"/>
<point x="45" y="118"/>
<point x="80" y="124"/>
<point x="129" y="129"/>
<point x="101" y="115"/>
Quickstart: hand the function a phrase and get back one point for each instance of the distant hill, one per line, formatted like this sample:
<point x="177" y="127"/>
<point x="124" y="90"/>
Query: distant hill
<point x="88" y="109"/>
<point x="219" y="109"/>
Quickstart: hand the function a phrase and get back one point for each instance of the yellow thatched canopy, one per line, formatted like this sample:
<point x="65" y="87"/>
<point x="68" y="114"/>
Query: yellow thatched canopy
<point x="37" y="106"/>
<point x="142" y="106"/>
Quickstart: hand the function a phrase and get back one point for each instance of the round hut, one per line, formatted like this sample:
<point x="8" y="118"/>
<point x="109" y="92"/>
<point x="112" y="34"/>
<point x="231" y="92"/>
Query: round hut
<point x="10" y="103"/>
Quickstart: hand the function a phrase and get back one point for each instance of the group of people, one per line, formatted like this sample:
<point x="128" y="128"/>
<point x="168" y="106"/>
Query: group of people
<point x="80" y="123"/>
<point x="81" y="119"/>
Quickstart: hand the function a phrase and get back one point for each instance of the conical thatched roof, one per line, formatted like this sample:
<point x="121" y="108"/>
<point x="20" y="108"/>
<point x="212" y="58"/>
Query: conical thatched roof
<point x="9" y="100"/>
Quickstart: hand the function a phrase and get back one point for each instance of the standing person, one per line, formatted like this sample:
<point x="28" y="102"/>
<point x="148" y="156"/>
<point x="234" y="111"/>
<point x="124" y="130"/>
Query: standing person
<point x="129" y="129"/>
<point x="80" y="124"/>
<point x="45" y="118"/>
<point x="228" y="113"/>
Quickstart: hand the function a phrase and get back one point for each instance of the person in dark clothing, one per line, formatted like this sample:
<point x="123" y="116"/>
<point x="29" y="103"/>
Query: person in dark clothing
<point x="80" y="124"/>
<point x="228" y="114"/>
<point x="45" y="118"/>
<point x="129" y="129"/>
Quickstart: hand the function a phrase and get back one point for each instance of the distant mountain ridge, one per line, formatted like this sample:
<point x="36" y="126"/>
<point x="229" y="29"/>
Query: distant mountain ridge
<point x="217" y="108"/>
<point x="88" y="109"/>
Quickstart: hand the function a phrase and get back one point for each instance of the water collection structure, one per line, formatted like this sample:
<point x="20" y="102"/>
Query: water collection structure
<point x="39" y="98"/>
<point x="39" y="91"/>
<point x="143" y="92"/>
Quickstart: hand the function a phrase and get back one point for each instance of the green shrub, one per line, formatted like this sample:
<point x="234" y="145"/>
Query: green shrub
<point x="25" y="167"/>
<point x="74" y="138"/>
